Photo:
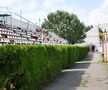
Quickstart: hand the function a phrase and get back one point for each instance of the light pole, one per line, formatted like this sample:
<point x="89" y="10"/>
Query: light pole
<point x="41" y="30"/>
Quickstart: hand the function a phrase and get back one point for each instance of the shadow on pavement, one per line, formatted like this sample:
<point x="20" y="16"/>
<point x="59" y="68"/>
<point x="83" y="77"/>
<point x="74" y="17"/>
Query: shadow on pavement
<point x="70" y="79"/>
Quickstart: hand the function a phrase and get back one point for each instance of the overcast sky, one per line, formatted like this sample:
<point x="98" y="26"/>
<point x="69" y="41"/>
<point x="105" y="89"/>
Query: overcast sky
<point x="89" y="11"/>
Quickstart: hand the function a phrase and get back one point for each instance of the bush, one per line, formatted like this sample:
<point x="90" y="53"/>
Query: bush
<point x="30" y="67"/>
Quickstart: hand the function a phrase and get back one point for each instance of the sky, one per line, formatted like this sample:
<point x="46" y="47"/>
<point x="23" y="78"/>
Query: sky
<point x="88" y="11"/>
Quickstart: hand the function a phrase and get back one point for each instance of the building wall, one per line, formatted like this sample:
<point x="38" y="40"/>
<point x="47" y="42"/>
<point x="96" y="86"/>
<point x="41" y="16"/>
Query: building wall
<point x="92" y="38"/>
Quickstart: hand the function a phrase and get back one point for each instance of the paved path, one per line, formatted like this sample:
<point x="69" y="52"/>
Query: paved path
<point x="88" y="74"/>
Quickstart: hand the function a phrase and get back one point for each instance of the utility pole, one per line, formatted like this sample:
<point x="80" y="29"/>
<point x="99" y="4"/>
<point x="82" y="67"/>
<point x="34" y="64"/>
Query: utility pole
<point x="105" y="43"/>
<point x="102" y="39"/>
<point x="106" y="46"/>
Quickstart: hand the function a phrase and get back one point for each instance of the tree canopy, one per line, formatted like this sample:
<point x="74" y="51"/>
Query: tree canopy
<point x="66" y="25"/>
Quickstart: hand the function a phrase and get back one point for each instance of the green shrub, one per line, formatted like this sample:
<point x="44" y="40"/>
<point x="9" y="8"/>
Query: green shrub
<point x="30" y="67"/>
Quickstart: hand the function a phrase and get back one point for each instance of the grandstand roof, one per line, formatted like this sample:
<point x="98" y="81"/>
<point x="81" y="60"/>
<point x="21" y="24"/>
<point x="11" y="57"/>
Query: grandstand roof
<point x="4" y="15"/>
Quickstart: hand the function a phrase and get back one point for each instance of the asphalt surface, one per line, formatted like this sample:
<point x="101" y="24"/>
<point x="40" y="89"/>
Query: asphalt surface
<point x="88" y="74"/>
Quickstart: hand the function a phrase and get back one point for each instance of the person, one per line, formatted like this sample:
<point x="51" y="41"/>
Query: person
<point x="93" y="48"/>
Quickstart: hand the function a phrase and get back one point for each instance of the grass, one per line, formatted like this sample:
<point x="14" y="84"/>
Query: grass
<point x="84" y="83"/>
<point x="85" y="80"/>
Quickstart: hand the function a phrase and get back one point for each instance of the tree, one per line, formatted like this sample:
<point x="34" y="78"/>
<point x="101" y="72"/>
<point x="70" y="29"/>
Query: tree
<point x="66" y="25"/>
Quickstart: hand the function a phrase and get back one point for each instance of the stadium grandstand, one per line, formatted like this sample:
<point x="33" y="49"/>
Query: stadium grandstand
<point x="14" y="29"/>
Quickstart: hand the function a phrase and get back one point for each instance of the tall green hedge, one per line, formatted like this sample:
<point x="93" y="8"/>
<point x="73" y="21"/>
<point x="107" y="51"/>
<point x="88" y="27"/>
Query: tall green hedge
<point x="30" y="67"/>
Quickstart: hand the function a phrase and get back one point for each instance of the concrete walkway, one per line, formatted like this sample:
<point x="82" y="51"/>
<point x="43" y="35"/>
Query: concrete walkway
<point x="88" y="74"/>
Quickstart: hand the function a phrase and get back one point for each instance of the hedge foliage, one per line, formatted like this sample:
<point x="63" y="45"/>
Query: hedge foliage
<point x="30" y="67"/>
